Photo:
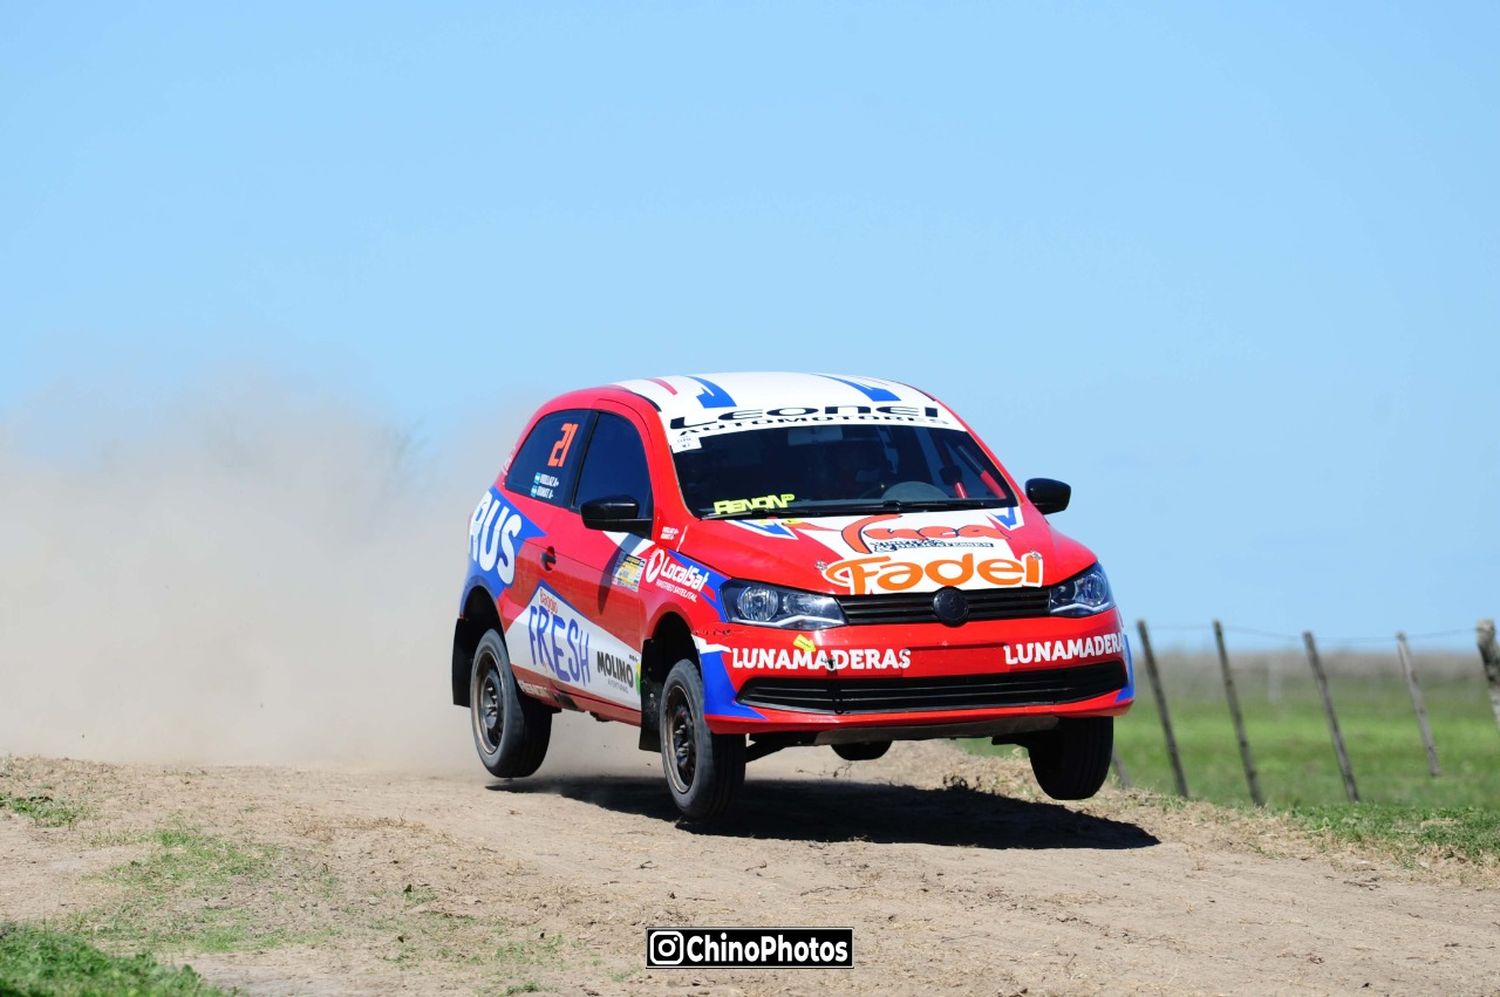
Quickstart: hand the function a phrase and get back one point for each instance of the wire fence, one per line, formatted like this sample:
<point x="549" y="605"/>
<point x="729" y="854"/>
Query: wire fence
<point x="1483" y="633"/>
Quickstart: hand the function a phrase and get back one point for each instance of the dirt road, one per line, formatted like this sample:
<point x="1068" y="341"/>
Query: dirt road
<point x="953" y="875"/>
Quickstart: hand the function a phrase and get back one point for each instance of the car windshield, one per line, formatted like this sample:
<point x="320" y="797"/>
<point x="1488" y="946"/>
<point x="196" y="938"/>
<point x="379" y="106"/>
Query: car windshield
<point x="835" y="469"/>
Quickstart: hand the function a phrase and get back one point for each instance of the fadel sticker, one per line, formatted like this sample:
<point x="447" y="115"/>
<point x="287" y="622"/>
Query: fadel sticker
<point x="880" y="573"/>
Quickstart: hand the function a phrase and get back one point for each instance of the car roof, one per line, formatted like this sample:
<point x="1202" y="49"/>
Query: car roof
<point x="690" y="394"/>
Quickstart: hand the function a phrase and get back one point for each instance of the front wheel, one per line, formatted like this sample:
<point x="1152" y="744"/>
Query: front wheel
<point x="1071" y="761"/>
<point x="704" y="770"/>
<point x="511" y="730"/>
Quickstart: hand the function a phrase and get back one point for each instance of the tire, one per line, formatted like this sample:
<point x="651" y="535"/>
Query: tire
<point x="1071" y="761"/>
<point x="864" y="751"/>
<point x="704" y="770"/>
<point x="511" y="730"/>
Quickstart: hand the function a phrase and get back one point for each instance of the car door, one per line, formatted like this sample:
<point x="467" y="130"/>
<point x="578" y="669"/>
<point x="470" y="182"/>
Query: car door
<point x="599" y="573"/>
<point x="540" y="483"/>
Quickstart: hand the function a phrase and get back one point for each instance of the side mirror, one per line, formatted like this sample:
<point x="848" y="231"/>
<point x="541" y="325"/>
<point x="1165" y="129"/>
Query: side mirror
<point x="1048" y="495"/>
<point x="616" y="513"/>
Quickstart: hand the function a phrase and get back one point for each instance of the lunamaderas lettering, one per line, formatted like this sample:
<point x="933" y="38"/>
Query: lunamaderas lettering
<point x="882" y="573"/>
<point x="1036" y="652"/>
<point x="836" y="659"/>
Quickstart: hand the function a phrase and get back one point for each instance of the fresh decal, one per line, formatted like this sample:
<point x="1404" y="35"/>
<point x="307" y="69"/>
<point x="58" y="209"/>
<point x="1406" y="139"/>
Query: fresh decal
<point x="883" y="573"/>
<point x="1036" y="652"/>
<point x="806" y="656"/>
<point x="496" y="531"/>
<point x="558" y="639"/>
<point x="765" y="503"/>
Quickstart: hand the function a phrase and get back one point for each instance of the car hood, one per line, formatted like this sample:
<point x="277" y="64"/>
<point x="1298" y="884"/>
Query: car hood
<point x="889" y="552"/>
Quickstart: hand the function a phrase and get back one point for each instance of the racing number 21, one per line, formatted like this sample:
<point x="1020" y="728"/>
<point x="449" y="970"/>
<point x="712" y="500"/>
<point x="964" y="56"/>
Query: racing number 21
<point x="559" y="455"/>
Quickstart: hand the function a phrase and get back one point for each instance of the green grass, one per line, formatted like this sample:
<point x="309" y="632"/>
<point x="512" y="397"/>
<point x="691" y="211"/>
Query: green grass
<point x="1404" y="810"/>
<point x="1411" y="832"/>
<point x="190" y="893"/>
<point x="45" y="809"/>
<point x="37" y="961"/>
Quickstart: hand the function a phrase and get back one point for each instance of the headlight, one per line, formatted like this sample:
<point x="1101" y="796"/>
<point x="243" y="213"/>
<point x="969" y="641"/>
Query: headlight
<point x="774" y="606"/>
<point x="1081" y="595"/>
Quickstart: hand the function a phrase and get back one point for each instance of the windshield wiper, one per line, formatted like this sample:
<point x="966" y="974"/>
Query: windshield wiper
<point x="938" y="504"/>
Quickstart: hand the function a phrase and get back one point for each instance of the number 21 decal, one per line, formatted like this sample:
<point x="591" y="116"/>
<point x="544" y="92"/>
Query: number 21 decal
<point x="560" y="449"/>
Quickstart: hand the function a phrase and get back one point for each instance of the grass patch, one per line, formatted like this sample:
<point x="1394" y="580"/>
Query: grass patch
<point x="1410" y="832"/>
<point x="46" y="810"/>
<point x="36" y="962"/>
<point x="196" y="892"/>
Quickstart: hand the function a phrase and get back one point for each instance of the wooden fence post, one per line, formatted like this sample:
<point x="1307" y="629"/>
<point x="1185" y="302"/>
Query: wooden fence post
<point x="1333" y="718"/>
<point x="1239" y="721"/>
<point x="1161" y="709"/>
<point x="1490" y="655"/>
<point x="1417" y="702"/>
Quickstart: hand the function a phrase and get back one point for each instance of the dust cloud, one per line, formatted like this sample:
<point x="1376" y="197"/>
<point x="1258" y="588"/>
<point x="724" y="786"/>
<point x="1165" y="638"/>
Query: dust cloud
<point x="249" y="578"/>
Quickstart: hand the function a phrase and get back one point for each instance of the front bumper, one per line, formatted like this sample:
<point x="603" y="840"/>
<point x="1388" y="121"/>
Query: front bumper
<point x="905" y="681"/>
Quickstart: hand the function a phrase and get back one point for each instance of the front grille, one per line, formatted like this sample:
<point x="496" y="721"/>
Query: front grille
<point x="916" y="607"/>
<point x="1034" y="687"/>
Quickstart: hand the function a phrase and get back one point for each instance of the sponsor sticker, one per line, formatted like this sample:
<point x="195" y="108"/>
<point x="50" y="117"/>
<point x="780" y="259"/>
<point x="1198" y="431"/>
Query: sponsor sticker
<point x="622" y="673"/>
<point x="766" y="503"/>
<point x="804" y="655"/>
<point x="496" y="532"/>
<point x="666" y="572"/>
<point x="870" y="536"/>
<point x="1035" y="652"/>
<point x="686" y="432"/>
<point x="628" y="574"/>
<point x="884" y="573"/>
<point x="552" y="636"/>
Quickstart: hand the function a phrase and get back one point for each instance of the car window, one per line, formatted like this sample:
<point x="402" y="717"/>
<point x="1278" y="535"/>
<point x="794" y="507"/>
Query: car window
<point x="547" y="464"/>
<point x="615" y="464"/>
<point x="827" y="469"/>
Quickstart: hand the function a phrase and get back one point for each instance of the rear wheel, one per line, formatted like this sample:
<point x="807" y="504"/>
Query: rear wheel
<point x="865" y="751"/>
<point x="1071" y="761"/>
<point x="511" y="730"/>
<point x="704" y="770"/>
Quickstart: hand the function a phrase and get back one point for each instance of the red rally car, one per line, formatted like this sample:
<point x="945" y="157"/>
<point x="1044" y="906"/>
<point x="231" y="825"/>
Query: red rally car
<point x="738" y="563"/>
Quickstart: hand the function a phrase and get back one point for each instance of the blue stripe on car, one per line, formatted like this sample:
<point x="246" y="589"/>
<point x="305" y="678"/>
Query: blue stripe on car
<point x="714" y="397"/>
<point x="872" y="392"/>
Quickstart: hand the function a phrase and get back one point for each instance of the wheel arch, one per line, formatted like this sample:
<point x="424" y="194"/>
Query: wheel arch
<point x="479" y="614"/>
<point x="671" y="641"/>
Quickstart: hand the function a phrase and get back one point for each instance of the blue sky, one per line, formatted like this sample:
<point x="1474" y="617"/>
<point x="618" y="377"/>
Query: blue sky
<point x="1231" y="271"/>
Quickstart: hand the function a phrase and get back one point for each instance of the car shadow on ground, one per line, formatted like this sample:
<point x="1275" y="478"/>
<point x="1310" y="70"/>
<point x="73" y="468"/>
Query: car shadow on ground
<point x="832" y="810"/>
